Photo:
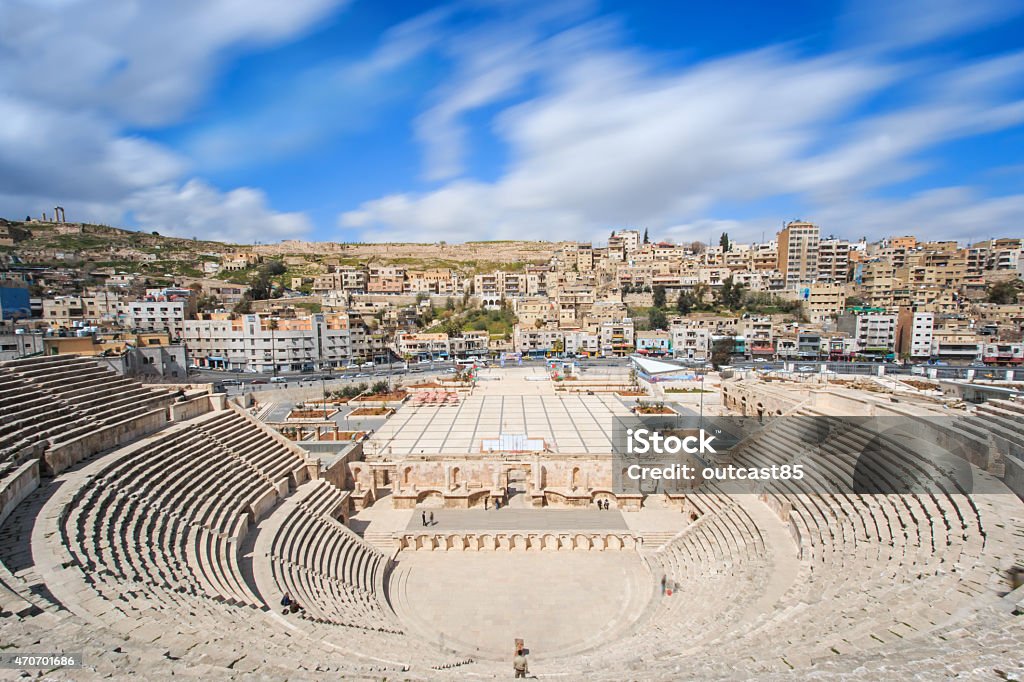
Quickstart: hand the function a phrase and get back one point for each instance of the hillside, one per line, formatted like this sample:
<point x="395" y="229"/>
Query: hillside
<point x="154" y="254"/>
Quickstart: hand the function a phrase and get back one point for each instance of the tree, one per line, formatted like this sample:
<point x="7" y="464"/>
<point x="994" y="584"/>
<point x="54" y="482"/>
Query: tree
<point x="244" y="306"/>
<point x="685" y="303"/>
<point x="731" y="295"/>
<point x="452" y="327"/>
<point x="273" y="268"/>
<point x="721" y="351"/>
<point x="724" y="242"/>
<point x="659" y="297"/>
<point x="558" y="346"/>
<point x="697" y="247"/>
<point x="700" y="294"/>
<point x="657" y="318"/>
<point x="1003" y="293"/>
<point x="207" y="304"/>
<point x="647" y="239"/>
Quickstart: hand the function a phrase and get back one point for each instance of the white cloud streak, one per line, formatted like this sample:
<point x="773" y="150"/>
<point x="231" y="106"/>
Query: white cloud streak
<point x="614" y="137"/>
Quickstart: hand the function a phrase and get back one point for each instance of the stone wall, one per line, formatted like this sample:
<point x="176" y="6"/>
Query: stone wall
<point x="17" y="486"/>
<point x="71" y="452"/>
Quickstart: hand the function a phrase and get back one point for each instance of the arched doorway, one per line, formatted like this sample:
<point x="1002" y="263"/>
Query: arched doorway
<point x="516" y="486"/>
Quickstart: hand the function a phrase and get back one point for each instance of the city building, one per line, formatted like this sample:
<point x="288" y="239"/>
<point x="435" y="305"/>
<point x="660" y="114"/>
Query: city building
<point x="798" y="253"/>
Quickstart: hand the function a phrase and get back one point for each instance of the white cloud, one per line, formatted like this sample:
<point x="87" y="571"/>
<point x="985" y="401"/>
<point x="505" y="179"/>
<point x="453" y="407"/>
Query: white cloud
<point x="77" y="76"/>
<point x="144" y="63"/>
<point x="613" y="137"/>
<point x="198" y="210"/>
<point x="944" y="213"/>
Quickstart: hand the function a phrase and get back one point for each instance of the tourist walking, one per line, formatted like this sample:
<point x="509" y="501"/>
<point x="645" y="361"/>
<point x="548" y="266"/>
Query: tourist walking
<point x="663" y="580"/>
<point x="431" y="518"/>
<point x="424" y="514"/>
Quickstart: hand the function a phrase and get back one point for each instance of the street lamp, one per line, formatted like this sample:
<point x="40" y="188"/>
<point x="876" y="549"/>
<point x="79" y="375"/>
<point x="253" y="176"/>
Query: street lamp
<point x="323" y="391"/>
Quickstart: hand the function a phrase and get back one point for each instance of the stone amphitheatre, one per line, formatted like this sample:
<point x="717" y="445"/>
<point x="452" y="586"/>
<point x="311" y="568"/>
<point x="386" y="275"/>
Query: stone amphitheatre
<point x="155" y="533"/>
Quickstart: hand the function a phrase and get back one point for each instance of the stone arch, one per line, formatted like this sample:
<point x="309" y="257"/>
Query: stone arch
<point x="581" y="542"/>
<point x="574" y="481"/>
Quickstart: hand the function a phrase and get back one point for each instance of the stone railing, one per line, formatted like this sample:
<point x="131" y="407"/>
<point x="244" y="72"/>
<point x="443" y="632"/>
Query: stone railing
<point x="518" y="541"/>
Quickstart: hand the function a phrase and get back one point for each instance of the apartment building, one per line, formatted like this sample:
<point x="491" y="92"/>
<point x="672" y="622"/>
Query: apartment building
<point x="441" y="281"/>
<point x="798" y="253"/>
<point x="956" y="347"/>
<point x="690" y="340"/>
<point x="875" y="332"/>
<point x="63" y="311"/>
<point x="162" y="310"/>
<point x="824" y="301"/>
<point x="1003" y="354"/>
<point x="493" y="287"/>
<point x="758" y="335"/>
<point x="241" y="260"/>
<point x="256" y="343"/>
<point x="423" y="346"/>
<point x="470" y="343"/>
<point x="914" y="332"/>
<point x="654" y="342"/>
<point x="833" y="260"/>
<point x="385" y="279"/>
<point x="584" y="258"/>
<point x="537" y="341"/>
<point x="348" y="279"/>
<point x="616" y="338"/>
<point x="765" y="256"/>
<point x="581" y="342"/>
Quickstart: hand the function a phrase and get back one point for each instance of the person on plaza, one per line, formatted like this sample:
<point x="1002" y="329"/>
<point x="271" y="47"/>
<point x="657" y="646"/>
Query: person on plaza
<point x="424" y="515"/>
<point x="663" y="581"/>
<point x="431" y="518"/>
<point x="520" y="665"/>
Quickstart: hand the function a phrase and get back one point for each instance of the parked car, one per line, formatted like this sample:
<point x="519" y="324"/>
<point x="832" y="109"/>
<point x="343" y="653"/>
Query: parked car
<point x="277" y="380"/>
<point x="257" y="381"/>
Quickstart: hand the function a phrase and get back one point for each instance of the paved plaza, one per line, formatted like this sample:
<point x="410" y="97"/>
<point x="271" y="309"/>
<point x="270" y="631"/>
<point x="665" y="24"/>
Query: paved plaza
<point x="570" y="424"/>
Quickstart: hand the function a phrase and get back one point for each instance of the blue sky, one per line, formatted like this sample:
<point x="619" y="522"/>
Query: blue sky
<point x="372" y="121"/>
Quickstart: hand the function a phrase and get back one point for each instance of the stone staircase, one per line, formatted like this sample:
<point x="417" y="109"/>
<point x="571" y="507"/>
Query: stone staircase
<point x="654" y="540"/>
<point x="379" y="539"/>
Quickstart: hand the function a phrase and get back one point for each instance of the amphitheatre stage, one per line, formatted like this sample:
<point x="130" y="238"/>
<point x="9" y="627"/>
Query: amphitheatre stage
<point x="155" y="530"/>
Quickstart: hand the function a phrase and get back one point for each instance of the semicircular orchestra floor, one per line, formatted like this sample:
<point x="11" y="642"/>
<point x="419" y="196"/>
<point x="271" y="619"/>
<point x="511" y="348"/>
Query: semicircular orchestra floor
<point x="558" y="602"/>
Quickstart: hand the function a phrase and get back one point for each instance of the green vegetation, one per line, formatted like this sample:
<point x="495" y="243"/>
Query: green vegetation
<point x="350" y="391"/>
<point x="721" y="351"/>
<point x="1003" y="293"/>
<point x="495" y="322"/>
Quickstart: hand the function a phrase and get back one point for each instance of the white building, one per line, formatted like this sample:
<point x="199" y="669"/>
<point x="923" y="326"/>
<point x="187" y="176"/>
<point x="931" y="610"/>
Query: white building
<point x="690" y="341"/>
<point x="258" y="344"/>
<point x="157" y="316"/>
<point x="876" y="333"/>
